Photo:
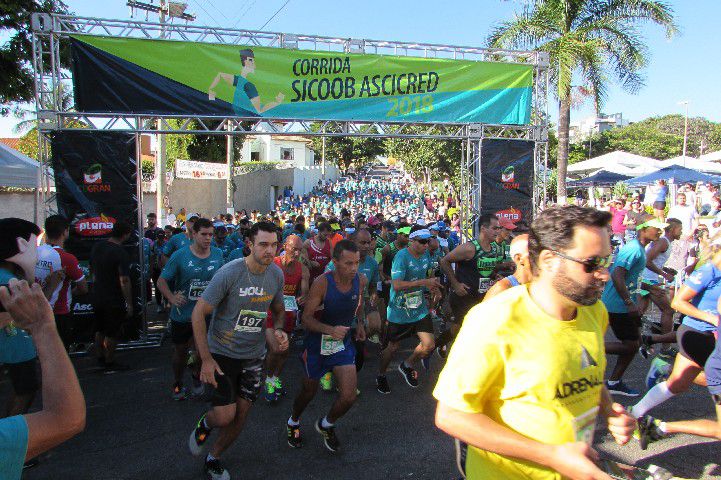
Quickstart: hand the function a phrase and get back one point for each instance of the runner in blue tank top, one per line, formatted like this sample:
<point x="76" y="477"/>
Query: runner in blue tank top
<point x="329" y="346"/>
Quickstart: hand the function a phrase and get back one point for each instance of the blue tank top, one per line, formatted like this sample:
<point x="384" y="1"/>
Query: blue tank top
<point x="338" y="309"/>
<point x="513" y="281"/>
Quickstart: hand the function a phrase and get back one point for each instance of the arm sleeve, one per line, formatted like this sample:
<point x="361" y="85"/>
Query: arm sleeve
<point x="700" y="279"/>
<point x="474" y="366"/>
<point x="398" y="270"/>
<point x="250" y="90"/>
<point x="626" y="259"/>
<point x="218" y="287"/>
<point x="168" y="247"/>
<point x="171" y="268"/>
<point x="13" y="446"/>
<point x="72" y="270"/>
<point x="280" y="280"/>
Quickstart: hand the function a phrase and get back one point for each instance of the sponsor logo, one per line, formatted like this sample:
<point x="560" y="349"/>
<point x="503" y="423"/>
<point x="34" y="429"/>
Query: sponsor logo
<point x="577" y="387"/>
<point x="83" y="307"/>
<point x="251" y="291"/>
<point x="93" y="179"/>
<point x="512" y="214"/>
<point x="587" y="360"/>
<point x="508" y="177"/>
<point x="95" y="226"/>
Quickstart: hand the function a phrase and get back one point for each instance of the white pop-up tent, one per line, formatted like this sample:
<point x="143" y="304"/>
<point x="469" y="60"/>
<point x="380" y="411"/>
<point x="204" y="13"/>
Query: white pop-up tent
<point x="617" y="162"/>
<point x="17" y="169"/>
<point x="693" y="163"/>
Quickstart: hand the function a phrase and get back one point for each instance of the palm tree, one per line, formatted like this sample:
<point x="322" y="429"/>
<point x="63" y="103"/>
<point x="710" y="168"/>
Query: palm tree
<point x="595" y="40"/>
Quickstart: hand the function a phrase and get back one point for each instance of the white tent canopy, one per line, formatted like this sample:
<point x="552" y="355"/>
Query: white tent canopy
<point x="693" y="163"/>
<point x="17" y="169"/>
<point x="618" y="162"/>
<point x="711" y="156"/>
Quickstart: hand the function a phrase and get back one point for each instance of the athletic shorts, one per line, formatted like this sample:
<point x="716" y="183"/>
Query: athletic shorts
<point x="395" y="332"/>
<point x="109" y="320"/>
<point x="659" y="205"/>
<point x="461" y="305"/>
<point x="288" y="324"/>
<point x="626" y="326"/>
<point x="317" y="365"/>
<point x="713" y="375"/>
<point x="694" y="344"/>
<point x="386" y="292"/>
<point x="24" y="377"/>
<point x="181" y="332"/>
<point x="240" y="379"/>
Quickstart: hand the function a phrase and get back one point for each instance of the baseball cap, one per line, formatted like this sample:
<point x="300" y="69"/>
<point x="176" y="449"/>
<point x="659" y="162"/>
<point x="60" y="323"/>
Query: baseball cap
<point x="654" y="222"/>
<point x="443" y="242"/>
<point x="506" y="223"/>
<point x="335" y="227"/>
<point x="373" y="221"/>
<point x="441" y="226"/>
<point x="389" y="225"/>
<point x="420" y="234"/>
<point x="406" y="230"/>
<point x="192" y="216"/>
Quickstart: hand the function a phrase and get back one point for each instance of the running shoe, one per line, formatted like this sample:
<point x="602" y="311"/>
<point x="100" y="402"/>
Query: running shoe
<point x="270" y="393"/>
<point x="33" y="462"/>
<point x="442" y="352"/>
<point x="409" y="375"/>
<point x="648" y="431"/>
<point x="215" y="470"/>
<point x="645" y="349"/>
<point x="326" y="382"/>
<point x="658" y="372"/>
<point x="199" y="437"/>
<point x="179" y="392"/>
<point x="294" y="438"/>
<point x="374" y="339"/>
<point x="329" y="439"/>
<point x="280" y="390"/>
<point x="382" y="385"/>
<point x="622" y="389"/>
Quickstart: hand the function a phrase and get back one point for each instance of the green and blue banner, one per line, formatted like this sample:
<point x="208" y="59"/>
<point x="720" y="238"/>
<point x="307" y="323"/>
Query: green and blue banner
<point x="127" y="75"/>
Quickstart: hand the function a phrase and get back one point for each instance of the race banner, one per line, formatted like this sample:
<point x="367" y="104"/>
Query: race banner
<point x="200" y="170"/>
<point x="96" y="186"/>
<point x="128" y="75"/>
<point x="507" y="179"/>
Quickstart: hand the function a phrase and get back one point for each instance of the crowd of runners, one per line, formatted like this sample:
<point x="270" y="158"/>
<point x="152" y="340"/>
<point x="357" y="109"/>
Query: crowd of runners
<point x="517" y="315"/>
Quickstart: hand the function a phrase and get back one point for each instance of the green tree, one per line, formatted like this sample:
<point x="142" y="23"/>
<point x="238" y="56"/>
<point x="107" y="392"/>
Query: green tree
<point x="16" y="74"/>
<point x="347" y="151"/>
<point x="203" y="148"/>
<point x="592" y="39"/>
<point x="427" y="159"/>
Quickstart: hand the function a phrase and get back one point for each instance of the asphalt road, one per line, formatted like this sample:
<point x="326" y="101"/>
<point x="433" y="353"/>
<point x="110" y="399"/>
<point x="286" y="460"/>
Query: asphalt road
<point x="135" y="431"/>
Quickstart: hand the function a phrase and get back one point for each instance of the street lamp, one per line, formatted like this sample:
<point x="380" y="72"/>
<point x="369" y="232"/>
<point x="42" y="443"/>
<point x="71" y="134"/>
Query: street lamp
<point x="685" y="130"/>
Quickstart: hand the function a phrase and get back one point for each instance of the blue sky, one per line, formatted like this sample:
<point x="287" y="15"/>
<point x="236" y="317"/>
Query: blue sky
<point x="684" y="68"/>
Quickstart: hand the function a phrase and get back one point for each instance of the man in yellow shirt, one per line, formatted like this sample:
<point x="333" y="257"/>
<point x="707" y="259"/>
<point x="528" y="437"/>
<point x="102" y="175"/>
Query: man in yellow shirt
<point x="523" y="383"/>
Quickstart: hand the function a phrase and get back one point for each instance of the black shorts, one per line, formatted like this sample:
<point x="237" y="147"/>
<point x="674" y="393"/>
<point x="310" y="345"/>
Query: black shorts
<point x="386" y="292"/>
<point x="626" y="326"/>
<point x="181" y="332"/>
<point x="659" y="205"/>
<point x="694" y="344"/>
<point x="24" y="377"/>
<point x="398" y="331"/>
<point x="240" y="379"/>
<point x="461" y="305"/>
<point x="109" y="320"/>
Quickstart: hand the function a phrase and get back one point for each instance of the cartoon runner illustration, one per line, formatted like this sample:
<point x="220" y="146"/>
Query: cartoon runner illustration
<point x="245" y="99"/>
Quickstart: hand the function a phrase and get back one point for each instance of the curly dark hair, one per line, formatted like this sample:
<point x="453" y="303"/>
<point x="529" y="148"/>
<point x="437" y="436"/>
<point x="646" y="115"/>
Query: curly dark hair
<point x="554" y="228"/>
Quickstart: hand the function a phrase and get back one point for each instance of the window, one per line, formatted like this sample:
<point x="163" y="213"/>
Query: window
<point x="255" y="156"/>
<point x="286" y="153"/>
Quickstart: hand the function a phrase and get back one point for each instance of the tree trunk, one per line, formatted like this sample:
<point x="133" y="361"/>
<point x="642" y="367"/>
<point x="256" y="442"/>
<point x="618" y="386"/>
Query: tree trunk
<point x="564" y="121"/>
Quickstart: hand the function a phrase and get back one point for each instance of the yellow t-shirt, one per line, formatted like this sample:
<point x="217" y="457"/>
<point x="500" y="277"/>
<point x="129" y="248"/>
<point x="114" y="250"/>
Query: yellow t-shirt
<point x="532" y="373"/>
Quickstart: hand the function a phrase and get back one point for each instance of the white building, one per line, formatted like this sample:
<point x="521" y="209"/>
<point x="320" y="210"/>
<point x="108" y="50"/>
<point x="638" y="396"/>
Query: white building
<point x="592" y="125"/>
<point x="278" y="148"/>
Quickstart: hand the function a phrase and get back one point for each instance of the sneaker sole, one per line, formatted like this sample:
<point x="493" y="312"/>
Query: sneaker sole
<point x="325" y="443"/>
<point x="623" y="394"/>
<point x="193" y="446"/>
<point x="406" y="378"/>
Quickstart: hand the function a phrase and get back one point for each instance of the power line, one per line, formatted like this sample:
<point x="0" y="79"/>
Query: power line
<point x="206" y="12"/>
<point x="276" y="13"/>
<point x="244" y="13"/>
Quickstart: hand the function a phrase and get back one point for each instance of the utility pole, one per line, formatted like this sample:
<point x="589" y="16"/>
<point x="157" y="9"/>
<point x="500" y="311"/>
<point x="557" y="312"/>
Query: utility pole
<point x="322" y="161"/>
<point x="229" y="154"/>
<point x="685" y="130"/>
<point x="165" y="10"/>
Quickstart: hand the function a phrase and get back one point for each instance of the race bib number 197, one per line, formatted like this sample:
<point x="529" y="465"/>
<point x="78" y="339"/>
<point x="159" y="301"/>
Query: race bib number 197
<point x="250" y="321"/>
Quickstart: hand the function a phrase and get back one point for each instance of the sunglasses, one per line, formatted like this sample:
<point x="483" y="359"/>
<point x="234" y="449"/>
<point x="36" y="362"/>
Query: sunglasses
<point x="590" y="265"/>
<point x="422" y="241"/>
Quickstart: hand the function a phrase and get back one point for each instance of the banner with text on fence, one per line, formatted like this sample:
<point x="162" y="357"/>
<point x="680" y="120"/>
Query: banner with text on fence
<point x="127" y="75"/>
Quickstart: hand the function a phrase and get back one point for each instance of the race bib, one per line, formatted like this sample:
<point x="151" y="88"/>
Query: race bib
<point x="484" y="284"/>
<point x="290" y="302"/>
<point x="329" y="345"/>
<point x="250" y="321"/>
<point x="197" y="287"/>
<point x="414" y="299"/>
<point x="584" y="426"/>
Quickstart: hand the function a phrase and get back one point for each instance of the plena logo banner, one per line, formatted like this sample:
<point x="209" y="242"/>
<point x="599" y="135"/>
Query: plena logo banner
<point x="123" y="75"/>
<point x="95" y="226"/>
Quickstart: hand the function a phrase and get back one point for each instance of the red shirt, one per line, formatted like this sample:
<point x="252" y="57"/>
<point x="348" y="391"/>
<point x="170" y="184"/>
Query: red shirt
<point x="291" y="287"/>
<point x="72" y="274"/>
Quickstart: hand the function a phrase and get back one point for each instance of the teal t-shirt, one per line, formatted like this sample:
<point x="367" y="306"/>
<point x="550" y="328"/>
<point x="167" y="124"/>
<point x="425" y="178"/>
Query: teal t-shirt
<point x="244" y="91"/>
<point x="13" y="446"/>
<point x="15" y="344"/>
<point x="631" y="257"/>
<point x="176" y="242"/>
<point x="190" y="275"/>
<point x="408" y="306"/>
<point x="235" y="254"/>
<point x="227" y="246"/>
<point x="369" y="268"/>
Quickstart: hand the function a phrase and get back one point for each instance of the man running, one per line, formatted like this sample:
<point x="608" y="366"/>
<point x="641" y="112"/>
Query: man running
<point x="295" y="291"/>
<point x="232" y="349"/>
<point x="317" y="250"/>
<point x="388" y="254"/>
<point x="408" y="312"/>
<point x="329" y="344"/>
<point x="221" y="240"/>
<point x="523" y="384"/>
<point x="619" y="297"/>
<point x="518" y="252"/>
<point x="180" y="240"/>
<point x="189" y="270"/>
<point x="475" y="263"/>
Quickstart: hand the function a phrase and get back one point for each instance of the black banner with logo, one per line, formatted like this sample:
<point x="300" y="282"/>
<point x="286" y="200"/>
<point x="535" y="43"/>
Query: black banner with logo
<point x="96" y="186"/>
<point x="507" y="179"/>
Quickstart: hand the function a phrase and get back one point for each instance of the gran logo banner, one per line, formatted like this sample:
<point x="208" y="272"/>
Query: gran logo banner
<point x="173" y="77"/>
<point x="507" y="179"/>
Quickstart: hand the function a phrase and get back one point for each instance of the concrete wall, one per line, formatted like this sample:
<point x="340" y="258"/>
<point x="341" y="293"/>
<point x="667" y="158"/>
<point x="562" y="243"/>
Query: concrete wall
<point x="19" y="205"/>
<point x="253" y="190"/>
<point x="206" y="197"/>
<point x="305" y="178"/>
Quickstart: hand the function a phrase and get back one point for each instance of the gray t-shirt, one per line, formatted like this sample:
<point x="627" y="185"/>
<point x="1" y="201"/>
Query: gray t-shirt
<point x="241" y="300"/>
